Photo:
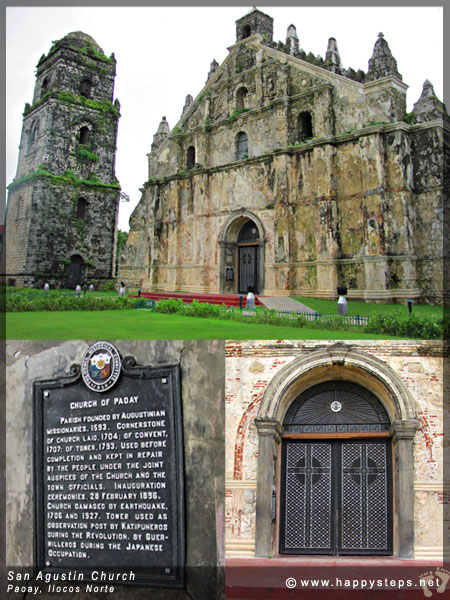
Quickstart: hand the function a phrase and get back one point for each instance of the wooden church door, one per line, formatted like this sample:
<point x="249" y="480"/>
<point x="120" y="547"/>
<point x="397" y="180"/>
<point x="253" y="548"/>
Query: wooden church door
<point x="248" y="269"/>
<point x="336" y="497"/>
<point x="74" y="271"/>
<point x="248" y="258"/>
<point x="336" y="475"/>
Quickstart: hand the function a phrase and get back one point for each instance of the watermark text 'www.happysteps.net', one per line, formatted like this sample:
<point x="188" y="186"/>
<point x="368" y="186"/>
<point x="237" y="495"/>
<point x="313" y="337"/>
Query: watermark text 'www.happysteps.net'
<point x="429" y="582"/>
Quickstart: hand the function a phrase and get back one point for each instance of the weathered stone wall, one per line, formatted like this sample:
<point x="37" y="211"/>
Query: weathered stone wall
<point x="20" y="217"/>
<point x="202" y="385"/>
<point x="341" y="208"/>
<point x="251" y="367"/>
<point x="61" y="112"/>
<point x="323" y="225"/>
<point x="428" y="172"/>
<point x="52" y="213"/>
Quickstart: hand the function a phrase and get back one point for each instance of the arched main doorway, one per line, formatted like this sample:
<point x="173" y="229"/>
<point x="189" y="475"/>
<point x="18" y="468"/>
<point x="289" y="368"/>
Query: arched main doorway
<point x="242" y="255"/>
<point x="386" y="417"/>
<point x="74" y="271"/>
<point x="336" y="479"/>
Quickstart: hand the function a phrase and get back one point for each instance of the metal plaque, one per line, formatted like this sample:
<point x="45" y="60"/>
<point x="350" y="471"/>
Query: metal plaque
<point x="109" y="475"/>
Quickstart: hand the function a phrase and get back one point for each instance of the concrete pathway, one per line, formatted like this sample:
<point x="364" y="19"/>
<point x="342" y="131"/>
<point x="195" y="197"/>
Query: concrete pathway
<point x="284" y="303"/>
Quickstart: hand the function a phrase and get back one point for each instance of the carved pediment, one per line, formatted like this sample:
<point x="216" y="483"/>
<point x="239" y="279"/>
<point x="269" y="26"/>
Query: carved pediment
<point x="244" y="58"/>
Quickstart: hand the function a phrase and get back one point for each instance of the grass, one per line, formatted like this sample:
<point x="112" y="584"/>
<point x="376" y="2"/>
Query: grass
<point x="368" y="309"/>
<point x="139" y="325"/>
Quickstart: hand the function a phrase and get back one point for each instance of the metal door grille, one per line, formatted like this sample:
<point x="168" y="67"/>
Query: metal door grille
<point x="336" y="497"/>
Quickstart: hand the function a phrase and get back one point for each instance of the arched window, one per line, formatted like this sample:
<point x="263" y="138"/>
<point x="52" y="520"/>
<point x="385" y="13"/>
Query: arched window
<point x="33" y="133"/>
<point x="241" y="95"/>
<point x="44" y="88"/>
<point x="241" y="146"/>
<point x="246" y="32"/>
<point x="336" y="407"/>
<point x="86" y="87"/>
<point x="190" y="158"/>
<point x="84" y="135"/>
<point x="304" y="126"/>
<point x="81" y="208"/>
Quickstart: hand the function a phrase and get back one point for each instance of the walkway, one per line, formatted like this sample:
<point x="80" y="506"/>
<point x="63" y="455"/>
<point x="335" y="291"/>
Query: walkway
<point x="284" y="304"/>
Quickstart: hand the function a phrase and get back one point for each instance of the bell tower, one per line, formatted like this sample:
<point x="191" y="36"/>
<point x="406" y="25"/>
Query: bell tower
<point x="63" y="202"/>
<point x="254" y="22"/>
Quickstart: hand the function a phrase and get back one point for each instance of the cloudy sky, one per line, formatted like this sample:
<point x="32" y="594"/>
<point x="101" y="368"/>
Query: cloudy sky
<point x="164" y="53"/>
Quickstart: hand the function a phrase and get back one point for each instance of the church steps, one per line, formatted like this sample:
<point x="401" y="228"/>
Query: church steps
<point x="227" y="299"/>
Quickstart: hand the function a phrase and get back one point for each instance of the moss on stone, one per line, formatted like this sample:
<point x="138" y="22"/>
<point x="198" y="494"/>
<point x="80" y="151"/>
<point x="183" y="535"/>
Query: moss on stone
<point x="103" y="105"/>
<point x="67" y="178"/>
<point x="236" y="113"/>
<point x="91" y="51"/>
<point x="84" y="154"/>
<point x="28" y="108"/>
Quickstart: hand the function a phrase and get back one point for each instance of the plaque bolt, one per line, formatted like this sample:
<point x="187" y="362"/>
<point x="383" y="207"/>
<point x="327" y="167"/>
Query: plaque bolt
<point x="168" y="571"/>
<point x="46" y="394"/>
<point x="47" y="563"/>
<point x="164" y="380"/>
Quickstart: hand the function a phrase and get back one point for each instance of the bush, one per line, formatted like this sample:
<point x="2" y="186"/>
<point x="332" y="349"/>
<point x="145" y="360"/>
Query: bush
<point x="171" y="305"/>
<point x="411" y="326"/>
<point x="54" y="300"/>
<point x="408" y="326"/>
<point x="104" y="285"/>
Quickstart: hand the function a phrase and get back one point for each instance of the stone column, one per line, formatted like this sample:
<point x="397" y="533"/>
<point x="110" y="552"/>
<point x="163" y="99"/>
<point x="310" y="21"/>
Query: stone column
<point x="269" y="436"/>
<point x="403" y="433"/>
<point x="261" y="265"/>
<point x="221" y="266"/>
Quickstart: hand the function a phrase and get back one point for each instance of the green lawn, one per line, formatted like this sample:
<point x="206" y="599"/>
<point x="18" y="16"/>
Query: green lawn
<point x="367" y="309"/>
<point x="139" y="324"/>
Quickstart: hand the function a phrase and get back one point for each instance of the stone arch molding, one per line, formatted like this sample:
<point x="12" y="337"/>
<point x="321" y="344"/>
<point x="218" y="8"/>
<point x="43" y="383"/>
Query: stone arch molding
<point x="346" y="364"/>
<point x="228" y="239"/>
<point x="234" y="222"/>
<point x="337" y="363"/>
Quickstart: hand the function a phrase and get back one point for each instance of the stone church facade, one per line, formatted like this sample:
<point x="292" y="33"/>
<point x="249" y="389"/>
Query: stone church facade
<point x="335" y="448"/>
<point x="292" y="175"/>
<point x="63" y="203"/>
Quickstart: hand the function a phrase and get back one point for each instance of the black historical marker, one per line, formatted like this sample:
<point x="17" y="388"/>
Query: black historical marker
<point x="109" y="470"/>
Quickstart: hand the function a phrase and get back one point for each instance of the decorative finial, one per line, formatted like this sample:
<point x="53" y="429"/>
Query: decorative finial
<point x="382" y="64"/>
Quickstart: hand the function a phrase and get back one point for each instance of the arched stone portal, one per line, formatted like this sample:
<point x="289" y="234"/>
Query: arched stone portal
<point x="242" y="254"/>
<point x="74" y="272"/>
<point x="337" y="364"/>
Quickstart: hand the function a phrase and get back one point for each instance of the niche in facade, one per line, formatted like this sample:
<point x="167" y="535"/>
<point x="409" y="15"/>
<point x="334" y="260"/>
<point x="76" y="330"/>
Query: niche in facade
<point x="44" y="88"/>
<point x="86" y="88"/>
<point x="190" y="157"/>
<point x="84" y="136"/>
<point x="82" y="208"/>
<point x="304" y="126"/>
<point x="241" y="96"/>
